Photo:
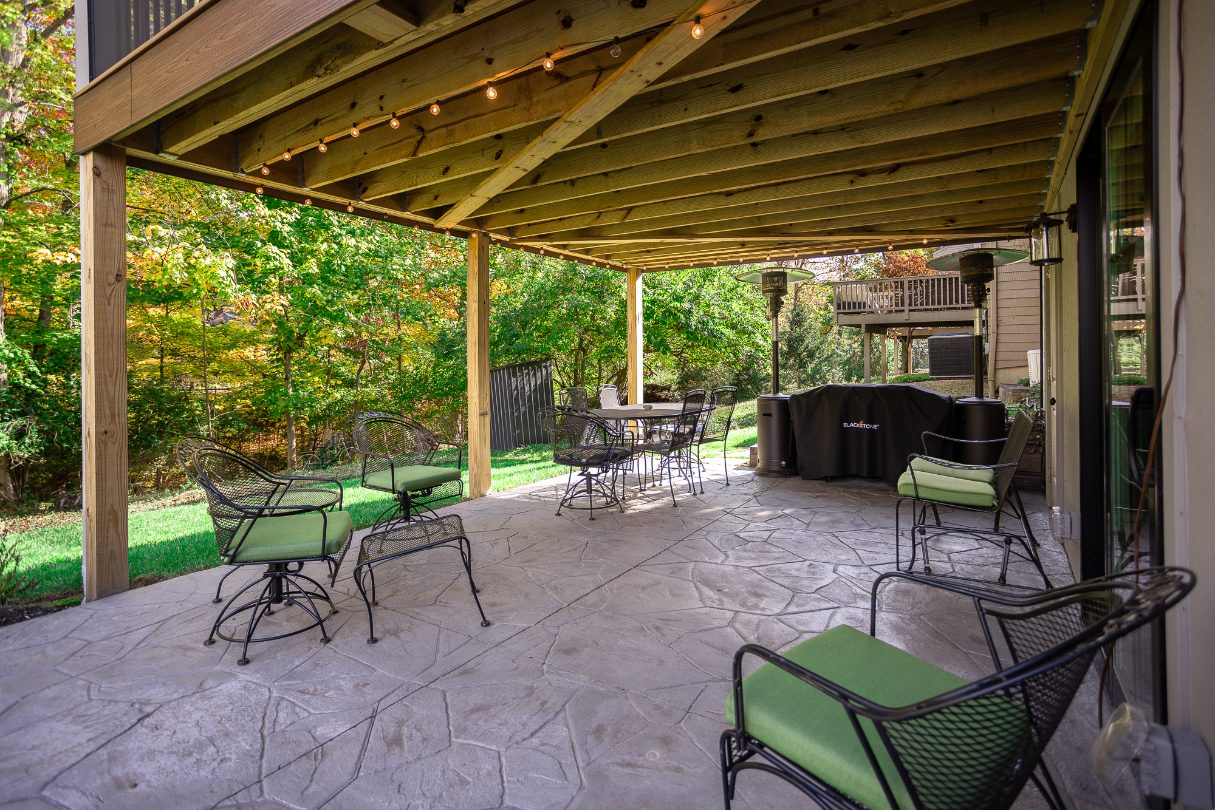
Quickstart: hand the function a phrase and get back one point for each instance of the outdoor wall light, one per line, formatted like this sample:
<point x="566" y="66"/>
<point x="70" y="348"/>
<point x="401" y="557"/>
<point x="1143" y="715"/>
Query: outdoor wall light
<point x="1045" y="238"/>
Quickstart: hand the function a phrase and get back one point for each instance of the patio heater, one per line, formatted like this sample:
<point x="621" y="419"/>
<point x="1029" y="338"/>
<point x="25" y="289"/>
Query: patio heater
<point x="776" y="453"/>
<point x="978" y="417"/>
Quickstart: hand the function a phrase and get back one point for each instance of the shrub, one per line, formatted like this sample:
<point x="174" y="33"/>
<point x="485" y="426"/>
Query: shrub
<point x="13" y="583"/>
<point x="910" y="378"/>
<point x="1128" y="379"/>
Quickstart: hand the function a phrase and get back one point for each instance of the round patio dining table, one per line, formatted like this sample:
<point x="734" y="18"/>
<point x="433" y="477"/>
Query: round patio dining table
<point x="628" y="413"/>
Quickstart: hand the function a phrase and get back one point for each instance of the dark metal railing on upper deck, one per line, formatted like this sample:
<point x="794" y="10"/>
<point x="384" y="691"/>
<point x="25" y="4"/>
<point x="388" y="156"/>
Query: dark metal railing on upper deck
<point x="118" y="27"/>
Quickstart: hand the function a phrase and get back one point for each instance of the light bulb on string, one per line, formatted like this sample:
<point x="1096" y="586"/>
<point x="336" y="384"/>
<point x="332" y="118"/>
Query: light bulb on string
<point x="491" y="92"/>
<point x="435" y="109"/>
<point x="925" y="241"/>
<point x="260" y="190"/>
<point x="890" y="247"/>
<point x="350" y="208"/>
<point x="698" y="30"/>
<point x="615" y="50"/>
<point x="265" y="170"/>
<point x="307" y="201"/>
<point x="548" y="63"/>
<point x="287" y="155"/>
<point x="394" y="122"/>
<point x="354" y="132"/>
<point x="322" y="147"/>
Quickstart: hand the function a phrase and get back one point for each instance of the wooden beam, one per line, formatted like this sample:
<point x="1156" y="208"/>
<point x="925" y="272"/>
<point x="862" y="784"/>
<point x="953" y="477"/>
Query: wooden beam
<point x="322" y="62"/>
<point x="1103" y="38"/>
<point x="634" y="291"/>
<point x="536" y="96"/>
<point x="656" y="57"/>
<point x="103" y="330"/>
<point x="937" y="173"/>
<point x="458" y="64"/>
<point x="1026" y="104"/>
<point x="875" y="197"/>
<point x="384" y="22"/>
<point x="840" y="112"/>
<point x="477" y="326"/>
<point x="977" y="28"/>
<point x="224" y="39"/>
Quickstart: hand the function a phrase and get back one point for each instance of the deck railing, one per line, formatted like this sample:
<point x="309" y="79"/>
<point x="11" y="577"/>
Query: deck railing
<point x="888" y="297"/>
<point x="118" y="27"/>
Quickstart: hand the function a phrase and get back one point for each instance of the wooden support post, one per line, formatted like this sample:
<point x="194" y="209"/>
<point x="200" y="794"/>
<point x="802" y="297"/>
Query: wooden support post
<point x="103" y="353"/>
<point x="867" y="340"/>
<point x="633" y="291"/>
<point x="477" y="325"/>
<point x="907" y="352"/>
<point x="885" y="356"/>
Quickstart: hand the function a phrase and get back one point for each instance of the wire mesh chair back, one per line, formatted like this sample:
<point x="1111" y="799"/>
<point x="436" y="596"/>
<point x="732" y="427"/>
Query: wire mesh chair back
<point x="229" y="480"/>
<point x="978" y="745"/>
<point x="609" y="396"/>
<point x="574" y="396"/>
<point x="385" y="440"/>
<point x="1014" y="448"/>
<point x="716" y="424"/>
<point x="578" y="439"/>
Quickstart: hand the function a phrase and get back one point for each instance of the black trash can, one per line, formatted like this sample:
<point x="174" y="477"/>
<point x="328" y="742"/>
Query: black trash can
<point x="976" y="418"/>
<point x="777" y="455"/>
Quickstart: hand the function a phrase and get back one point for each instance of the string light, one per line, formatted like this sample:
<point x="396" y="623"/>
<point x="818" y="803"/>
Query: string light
<point x="287" y="155"/>
<point x="265" y="170"/>
<point x="890" y="247"/>
<point x="394" y="122"/>
<point x="435" y="109"/>
<point x="698" y="30"/>
<point x="350" y="208"/>
<point x="354" y="132"/>
<point x="615" y="51"/>
<point x="548" y="63"/>
<point x="925" y="241"/>
<point x="491" y="92"/>
<point x="307" y="201"/>
<point x="322" y="147"/>
<point x="260" y="190"/>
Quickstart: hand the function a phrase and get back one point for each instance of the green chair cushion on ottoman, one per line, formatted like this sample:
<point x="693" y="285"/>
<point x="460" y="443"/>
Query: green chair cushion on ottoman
<point x="411" y="478"/>
<point x="290" y="537"/>
<point x="812" y="729"/>
<point x="947" y="489"/>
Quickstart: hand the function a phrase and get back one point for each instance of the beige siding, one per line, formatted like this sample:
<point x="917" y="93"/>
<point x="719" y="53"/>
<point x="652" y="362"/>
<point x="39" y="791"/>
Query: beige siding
<point x="1017" y="320"/>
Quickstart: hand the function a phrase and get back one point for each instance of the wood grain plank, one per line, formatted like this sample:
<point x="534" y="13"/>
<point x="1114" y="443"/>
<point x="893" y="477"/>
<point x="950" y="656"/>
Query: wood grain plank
<point x="480" y="480"/>
<point x="103" y="329"/>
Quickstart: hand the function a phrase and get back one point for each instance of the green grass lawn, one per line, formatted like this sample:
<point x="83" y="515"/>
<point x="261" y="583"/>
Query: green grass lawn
<point x="175" y="540"/>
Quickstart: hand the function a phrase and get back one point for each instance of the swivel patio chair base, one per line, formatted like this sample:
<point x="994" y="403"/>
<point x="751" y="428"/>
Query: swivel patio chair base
<point x="282" y="585"/>
<point x="580" y="492"/>
<point x="401" y="538"/>
<point x="411" y="505"/>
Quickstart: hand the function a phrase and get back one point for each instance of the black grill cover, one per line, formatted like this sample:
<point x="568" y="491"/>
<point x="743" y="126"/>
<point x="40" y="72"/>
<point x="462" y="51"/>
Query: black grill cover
<point x="865" y="430"/>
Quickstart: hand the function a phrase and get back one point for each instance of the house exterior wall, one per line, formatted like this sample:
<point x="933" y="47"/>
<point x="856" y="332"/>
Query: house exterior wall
<point x="1185" y="166"/>
<point x="1018" y="326"/>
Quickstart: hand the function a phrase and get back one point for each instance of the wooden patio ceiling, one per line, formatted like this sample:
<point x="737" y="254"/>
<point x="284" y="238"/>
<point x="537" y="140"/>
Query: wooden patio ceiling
<point x="785" y="129"/>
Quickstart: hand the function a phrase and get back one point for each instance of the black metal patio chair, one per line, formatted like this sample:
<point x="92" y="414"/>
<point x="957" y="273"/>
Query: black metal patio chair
<point x="591" y="447"/>
<point x="715" y="427"/>
<point x="854" y="722"/>
<point x="400" y="538"/>
<point x="672" y="445"/>
<point x="398" y="456"/>
<point x="277" y="521"/>
<point x="931" y="483"/>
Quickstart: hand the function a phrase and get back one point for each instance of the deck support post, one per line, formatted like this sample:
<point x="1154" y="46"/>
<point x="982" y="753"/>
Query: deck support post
<point x="477" y="327"/>
<point x="103" y="366"/>
<point x="867" y="342"/>
<point x="885" y="355"/>
<point x="633" y="291"/>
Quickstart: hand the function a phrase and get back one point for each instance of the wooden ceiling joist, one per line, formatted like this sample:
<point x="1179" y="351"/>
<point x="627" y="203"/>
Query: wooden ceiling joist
<point x="657" y="56"/>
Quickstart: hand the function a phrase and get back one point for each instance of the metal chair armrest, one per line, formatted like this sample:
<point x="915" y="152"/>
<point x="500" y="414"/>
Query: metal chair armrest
<point x="924" y="439"/>
<point x="459" y="448"/>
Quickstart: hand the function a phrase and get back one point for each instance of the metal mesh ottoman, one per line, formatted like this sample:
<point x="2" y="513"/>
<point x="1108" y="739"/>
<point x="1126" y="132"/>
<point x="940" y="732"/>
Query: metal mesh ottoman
<point x="401" y="537"/>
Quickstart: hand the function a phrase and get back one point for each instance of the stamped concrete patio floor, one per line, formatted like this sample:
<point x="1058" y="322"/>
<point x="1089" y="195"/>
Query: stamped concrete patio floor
<point x="600" y="684"/>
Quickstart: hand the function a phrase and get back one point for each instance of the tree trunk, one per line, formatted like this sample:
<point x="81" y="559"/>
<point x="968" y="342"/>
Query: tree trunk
<point x="8" y="491"/>
<point x="290" y="409"/>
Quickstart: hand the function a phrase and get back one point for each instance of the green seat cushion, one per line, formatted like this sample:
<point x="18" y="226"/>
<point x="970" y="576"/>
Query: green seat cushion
<point x="293" y="537"/>
<point x="812" y="729"/>
<point x="947" y="489"/>
<point x="411" y="478"/>
<point x="969" y="472"/>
